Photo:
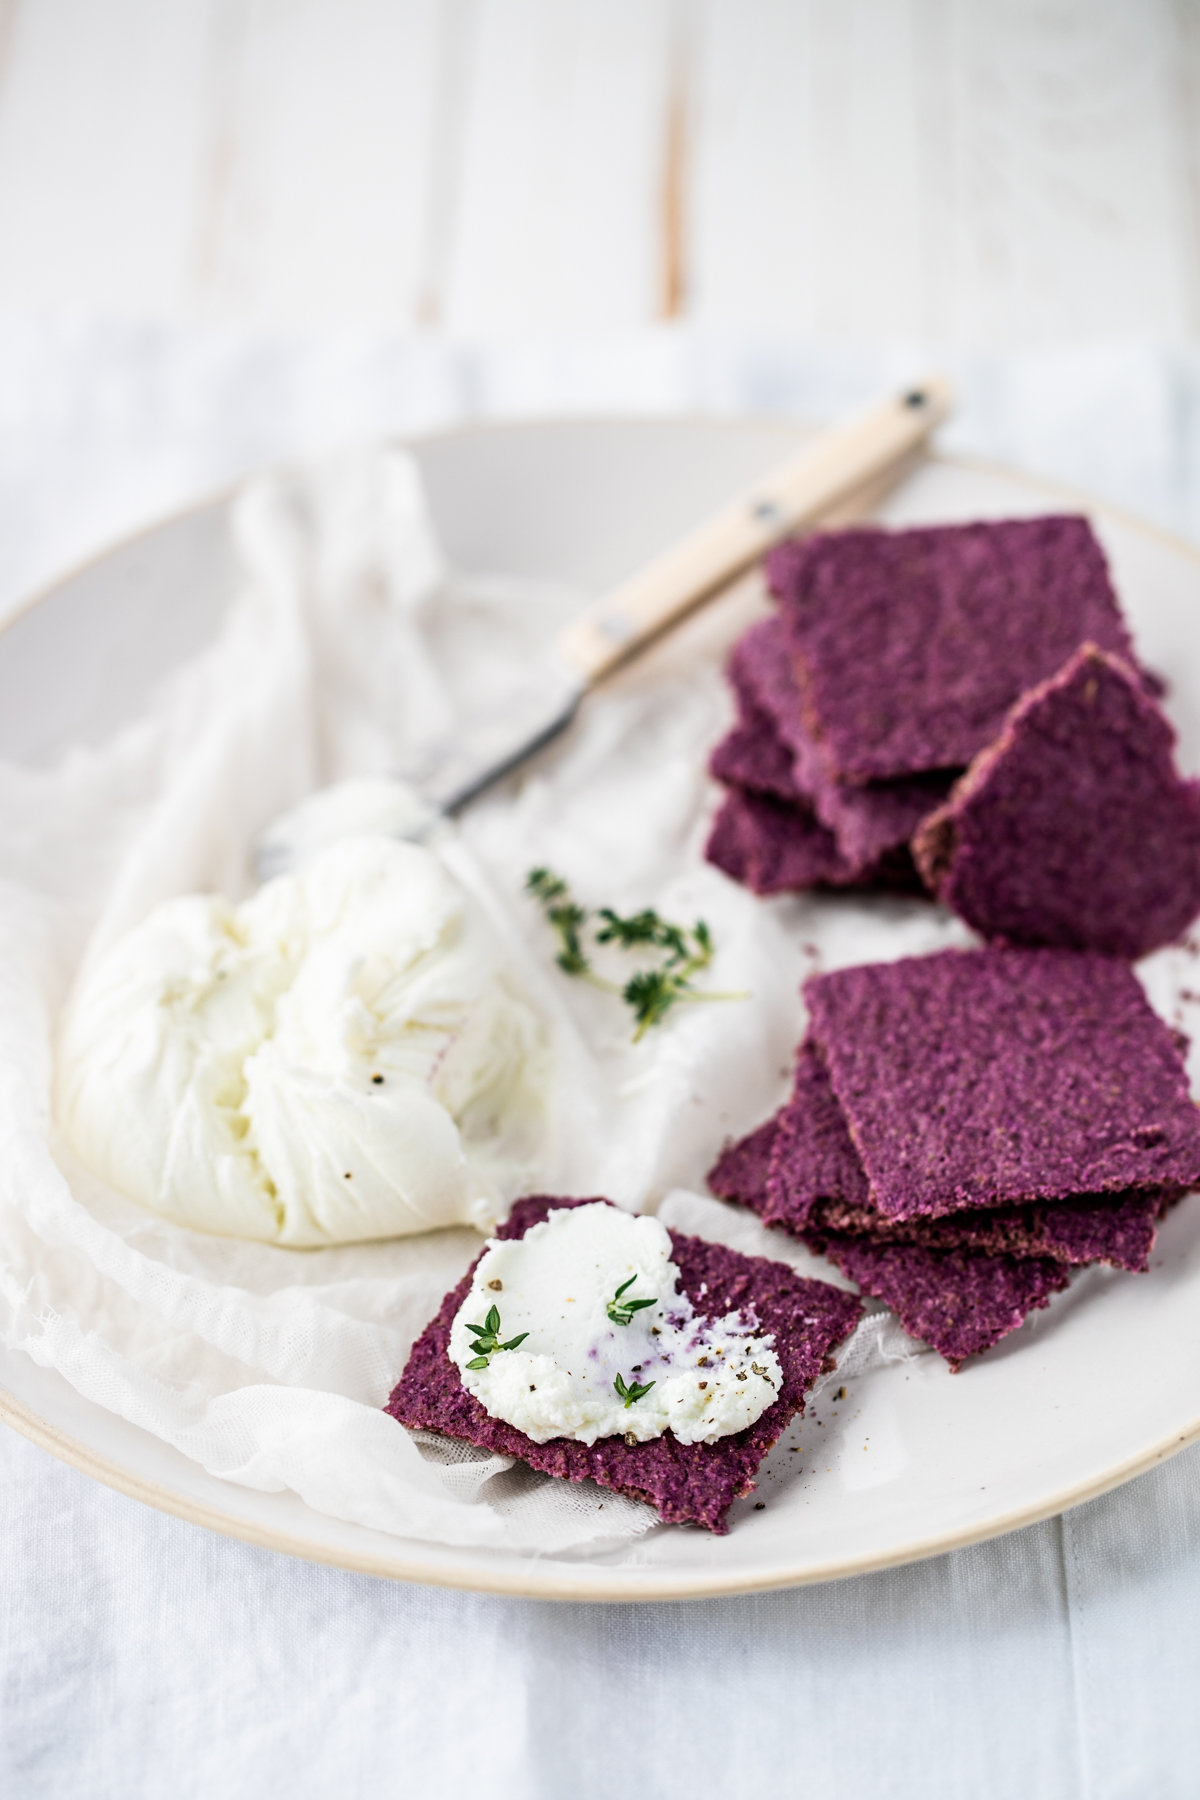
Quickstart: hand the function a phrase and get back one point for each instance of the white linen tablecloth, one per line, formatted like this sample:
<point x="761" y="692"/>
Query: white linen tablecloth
<point x="143" y="1657"/>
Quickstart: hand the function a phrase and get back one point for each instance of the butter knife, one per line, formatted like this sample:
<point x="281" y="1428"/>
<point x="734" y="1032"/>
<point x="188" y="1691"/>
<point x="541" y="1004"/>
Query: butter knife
<point x="818" y="481"/>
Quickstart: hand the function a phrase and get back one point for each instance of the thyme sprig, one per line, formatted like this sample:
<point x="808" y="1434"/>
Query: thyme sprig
<point x="487" y="1339"/>
<point x="635" y="1390"/>
<point x="622" y="1311"/>
<point x="564" y="915"/>
<point x="650" y="993"/>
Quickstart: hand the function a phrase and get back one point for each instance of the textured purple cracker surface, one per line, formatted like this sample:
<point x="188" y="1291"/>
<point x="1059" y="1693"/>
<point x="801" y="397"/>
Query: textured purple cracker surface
<point x="868" y="820"/>
<point x="740" y="1172"/>
<point x="971" y="1277"/>
<point x="814" y="1176"/>
<point x="801" y="1172"/>
<point x="913" y="645"/>
<point x="686" y="1482"/>
<point x="771" y="846"/>
<point x="774" y="847"/>
<point x="1073" y="828"/>
<point x="812" y="1156"/>
<point x="994" y="1077"/>
<point x="957" y="1297"/>
<point x="1118" y="1230"/>
<point x="754" y="754"/>
<point x="956" y="1301"/>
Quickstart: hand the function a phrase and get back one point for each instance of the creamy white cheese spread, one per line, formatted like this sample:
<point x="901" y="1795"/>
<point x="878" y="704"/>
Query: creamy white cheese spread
<point x="703" y="1378"/>
<point x="341" y="1057"/>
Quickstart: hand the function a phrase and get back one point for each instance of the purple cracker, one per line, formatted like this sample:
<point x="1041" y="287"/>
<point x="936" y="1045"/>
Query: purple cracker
<point x="813" y="1158"/>
<point x="740" y="1172"/>
<point x="800" y="1171"/>
<point x="1074" y="827"/>
<point x="911" y="646"/>
<point x="1118" y="1230"/>
<point x="754" y="754"/>
<point x="772" y="847"/>
<point x="867" y="821"/>
<point x="686" y="1482"/>
<point x="815" y="1177"/>
<point x="958" y="1298"/>
<point x="996" y="1077"/>
<point x="956" y="1301"/>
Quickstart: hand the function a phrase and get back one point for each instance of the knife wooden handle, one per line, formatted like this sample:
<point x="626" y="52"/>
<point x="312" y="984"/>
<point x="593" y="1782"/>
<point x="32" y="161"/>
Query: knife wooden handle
<point x="800" y="492"/>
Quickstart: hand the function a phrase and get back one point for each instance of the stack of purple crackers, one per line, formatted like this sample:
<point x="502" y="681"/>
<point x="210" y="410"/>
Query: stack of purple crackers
<point x="687" y="1482"/>
<point x="900" y="664"/>
<point x="967" y="1128"/>
<point x="953" y="709"/>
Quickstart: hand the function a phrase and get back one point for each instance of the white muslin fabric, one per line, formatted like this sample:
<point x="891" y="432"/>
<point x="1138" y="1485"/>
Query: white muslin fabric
<point x="143" y="1657"/>
<point x="270" y="1366"/>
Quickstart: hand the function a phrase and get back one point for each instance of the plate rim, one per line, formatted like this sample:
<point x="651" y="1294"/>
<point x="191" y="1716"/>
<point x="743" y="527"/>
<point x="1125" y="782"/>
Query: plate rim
<point x="561" y="1583"/>
<point x="540" y="1579"/>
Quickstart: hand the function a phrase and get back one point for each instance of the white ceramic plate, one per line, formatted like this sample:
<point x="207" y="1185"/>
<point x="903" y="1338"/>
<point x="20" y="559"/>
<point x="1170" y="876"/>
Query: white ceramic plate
<point x="1103" y="1385"/>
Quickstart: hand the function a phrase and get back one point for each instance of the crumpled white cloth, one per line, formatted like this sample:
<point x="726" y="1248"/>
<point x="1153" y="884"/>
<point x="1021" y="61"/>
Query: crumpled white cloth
<point x="270" y="1367"/>
<point x="141" y="1657"/>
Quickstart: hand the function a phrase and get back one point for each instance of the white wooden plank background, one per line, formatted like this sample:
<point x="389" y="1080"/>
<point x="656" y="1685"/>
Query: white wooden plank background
<point x="989" y="171"/>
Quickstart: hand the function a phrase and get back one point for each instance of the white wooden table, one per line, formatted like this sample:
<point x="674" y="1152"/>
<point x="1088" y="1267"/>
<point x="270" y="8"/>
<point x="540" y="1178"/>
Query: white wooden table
<point x="990" y="171"/>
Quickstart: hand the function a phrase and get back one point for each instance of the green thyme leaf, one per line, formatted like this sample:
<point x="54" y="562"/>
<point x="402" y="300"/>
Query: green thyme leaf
<point x="622" y="1311"/>
<point x="544" y="885"/>
<point x="650" y="993"/>
<point x="487" y="1339"/>
<point x="635" y="1391"/>
<point x="640" y="928"/>
<point x="568" y="920"/>
<point x="672" y="938"/>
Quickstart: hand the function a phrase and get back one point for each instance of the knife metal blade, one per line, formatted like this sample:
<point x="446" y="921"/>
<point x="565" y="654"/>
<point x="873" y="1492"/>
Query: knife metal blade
<point x="451" y="770"/>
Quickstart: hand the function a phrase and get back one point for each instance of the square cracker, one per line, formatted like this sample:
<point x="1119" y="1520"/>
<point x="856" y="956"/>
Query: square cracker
<point x="686" y="1482"/>
<point x="773" y="846"/>
<point x="801" y="1172"/>
<point x="910" y="646"/>
<point x="868" y="820"/>
<point x="959" y="1302"/>
<point x="985" y="1078"/>
<point x="1074" y="827"/>
<point x="957" y="1296"/>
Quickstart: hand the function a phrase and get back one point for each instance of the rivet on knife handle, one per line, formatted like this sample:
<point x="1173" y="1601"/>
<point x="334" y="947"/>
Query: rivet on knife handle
<point x="799" y="492"/>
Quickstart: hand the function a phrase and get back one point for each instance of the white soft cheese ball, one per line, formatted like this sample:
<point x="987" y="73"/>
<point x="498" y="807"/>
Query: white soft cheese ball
<point x="219" y="1064"/>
